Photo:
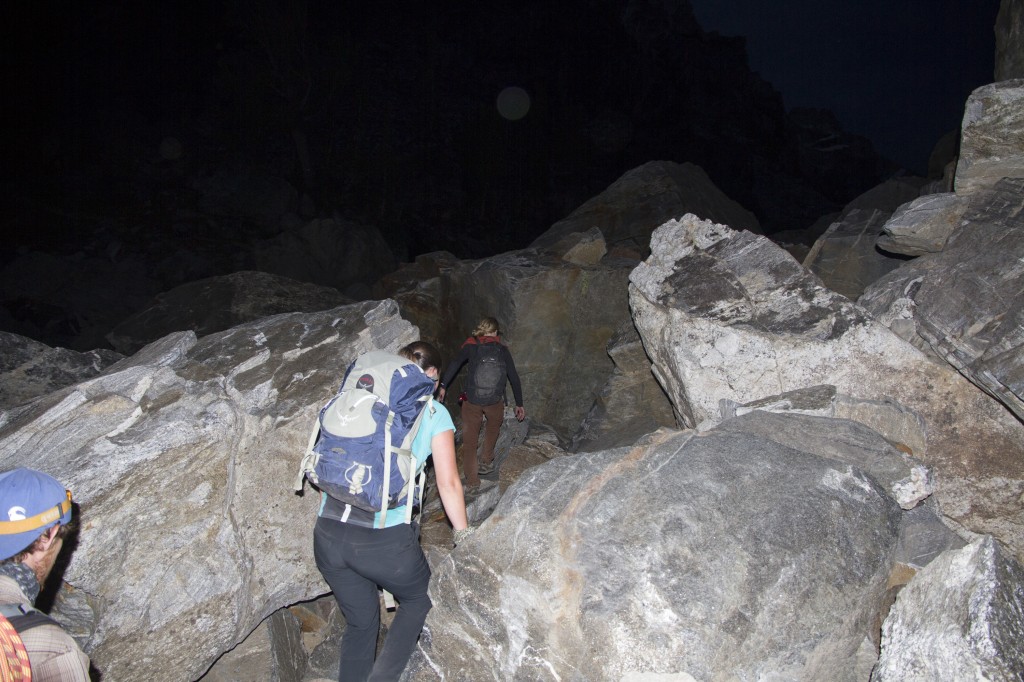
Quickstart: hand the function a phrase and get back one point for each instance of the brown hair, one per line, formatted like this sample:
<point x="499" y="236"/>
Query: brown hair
<point x="423" y="354"/>
<point x="63" y="530"/>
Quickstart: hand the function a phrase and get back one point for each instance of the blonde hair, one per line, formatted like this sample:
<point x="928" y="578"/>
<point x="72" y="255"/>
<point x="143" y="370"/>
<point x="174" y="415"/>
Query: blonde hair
<point x="486" y="327"/>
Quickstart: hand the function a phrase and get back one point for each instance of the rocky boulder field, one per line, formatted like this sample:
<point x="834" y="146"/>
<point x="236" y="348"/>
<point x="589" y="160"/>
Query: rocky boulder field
<point x="735" y="465"/>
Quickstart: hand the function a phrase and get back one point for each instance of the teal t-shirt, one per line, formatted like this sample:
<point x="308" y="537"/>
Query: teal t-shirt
<point x="435" y="421"/>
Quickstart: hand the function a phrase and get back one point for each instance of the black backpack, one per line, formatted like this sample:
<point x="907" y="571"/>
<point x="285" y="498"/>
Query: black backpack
<point x="487" y="375"/>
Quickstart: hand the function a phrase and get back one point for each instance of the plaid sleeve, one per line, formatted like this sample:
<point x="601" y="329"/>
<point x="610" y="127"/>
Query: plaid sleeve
<point x="55" y="656"/>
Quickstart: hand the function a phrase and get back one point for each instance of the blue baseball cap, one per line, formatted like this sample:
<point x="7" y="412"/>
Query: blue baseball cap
<point x="30" y="502"/>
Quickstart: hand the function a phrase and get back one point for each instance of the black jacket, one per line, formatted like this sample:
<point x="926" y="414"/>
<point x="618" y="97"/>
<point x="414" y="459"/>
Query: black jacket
<point x="468" y="354"/>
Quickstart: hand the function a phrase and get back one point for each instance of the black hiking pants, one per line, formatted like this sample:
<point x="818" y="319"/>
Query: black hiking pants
<point x="354" y="561"/>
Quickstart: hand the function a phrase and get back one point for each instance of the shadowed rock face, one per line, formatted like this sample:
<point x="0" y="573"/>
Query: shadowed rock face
<point x="29" y="369"/>
<point x="631" y="403"/>
<point x="845" y="257"/>
<point x="556" y="317"/>
<point x="777" y="329"/>
<point x="684" y="554"/>
<point x="963" y="305"/>
<point x="181" y="459"/>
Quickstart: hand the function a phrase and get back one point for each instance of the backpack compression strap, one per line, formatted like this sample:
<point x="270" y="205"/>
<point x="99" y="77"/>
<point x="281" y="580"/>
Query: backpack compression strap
<point x="385" y="493"/>
<point x="309" y="460"/>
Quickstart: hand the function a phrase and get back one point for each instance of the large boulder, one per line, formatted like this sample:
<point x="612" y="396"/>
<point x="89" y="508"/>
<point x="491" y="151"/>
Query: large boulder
<point x="991" y="136"/>
<point x="687" y="554"/>
<point x="218" y="303"/>
<point x="728" y="315"/>
<point x="960" y="618"/>
<point x="181" y="459"/>
<point x="963" y="305"/>
<point x="923" y="225"/>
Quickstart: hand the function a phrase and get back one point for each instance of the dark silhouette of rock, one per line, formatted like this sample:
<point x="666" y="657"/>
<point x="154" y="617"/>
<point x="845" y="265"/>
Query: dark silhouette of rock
<point x="213" y="158"/>
<point x="29" y="369"/>
<point x="218" y="303"/>
<point x="645" y="197"/>
<point x="1010" y="40"/>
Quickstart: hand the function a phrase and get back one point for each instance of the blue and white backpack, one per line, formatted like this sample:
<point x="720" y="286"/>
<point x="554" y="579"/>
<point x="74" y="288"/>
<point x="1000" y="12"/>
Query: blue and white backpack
<point x="360" y="450"/>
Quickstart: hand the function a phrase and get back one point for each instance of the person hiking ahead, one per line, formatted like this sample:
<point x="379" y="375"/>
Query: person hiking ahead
<point x="490" y="366"/>
<point x="355" y="554"/>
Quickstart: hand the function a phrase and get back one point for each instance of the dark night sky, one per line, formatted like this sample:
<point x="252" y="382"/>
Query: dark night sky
<point x="895" y="71"/>
<point x="401" y="123"/>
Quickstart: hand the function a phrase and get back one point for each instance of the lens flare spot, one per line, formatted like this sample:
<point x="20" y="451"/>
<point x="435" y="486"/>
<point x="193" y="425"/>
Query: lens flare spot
<point x="513" y="103"/>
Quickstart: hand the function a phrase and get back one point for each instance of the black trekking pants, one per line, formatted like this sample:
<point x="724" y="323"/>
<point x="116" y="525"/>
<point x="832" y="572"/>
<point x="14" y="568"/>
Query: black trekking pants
<point x="354" y="561"/>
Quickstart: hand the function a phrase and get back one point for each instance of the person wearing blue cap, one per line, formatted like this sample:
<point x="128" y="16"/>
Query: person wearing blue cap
<point x="35" y="511"/>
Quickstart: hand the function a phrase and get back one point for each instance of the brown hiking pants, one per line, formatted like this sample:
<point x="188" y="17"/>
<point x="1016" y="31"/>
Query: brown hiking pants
<point x="472" y="416"/>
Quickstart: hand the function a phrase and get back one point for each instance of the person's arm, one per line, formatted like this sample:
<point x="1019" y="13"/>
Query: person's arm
<point x="446" y="471"/>
<point x="517" y="387"/>
<point x="452" y="371"/>
<point x="55" y="655"/>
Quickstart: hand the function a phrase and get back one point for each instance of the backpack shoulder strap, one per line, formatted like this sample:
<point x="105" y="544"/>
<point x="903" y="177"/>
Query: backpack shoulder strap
<point x="24" y="617"/>
<point x="14" y="659"/>
<point x="421" y="470"/>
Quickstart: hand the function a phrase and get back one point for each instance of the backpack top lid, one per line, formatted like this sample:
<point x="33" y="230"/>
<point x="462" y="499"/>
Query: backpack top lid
<point x="396" y="383"/>
<point x="388" y="375"/>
